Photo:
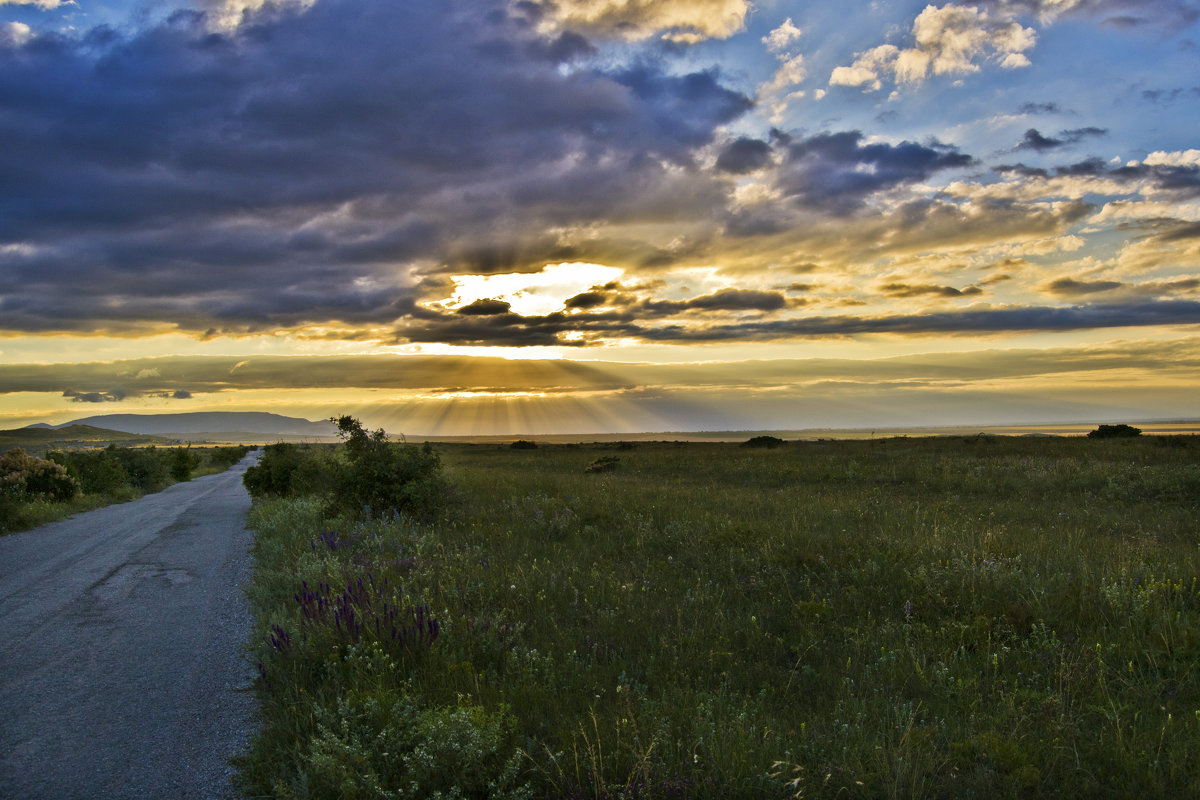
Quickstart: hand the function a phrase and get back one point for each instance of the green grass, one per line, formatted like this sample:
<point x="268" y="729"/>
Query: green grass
<point x="975" y="617"/>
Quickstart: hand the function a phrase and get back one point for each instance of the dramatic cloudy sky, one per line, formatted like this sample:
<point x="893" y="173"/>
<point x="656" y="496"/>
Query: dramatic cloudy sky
<point x="525" y="216"/>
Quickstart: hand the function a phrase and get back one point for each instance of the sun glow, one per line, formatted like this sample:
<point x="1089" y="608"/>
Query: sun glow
<point x="531" y="293"/>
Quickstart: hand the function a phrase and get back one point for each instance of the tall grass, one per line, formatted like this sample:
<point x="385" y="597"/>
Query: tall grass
<point x="895" y="618"/>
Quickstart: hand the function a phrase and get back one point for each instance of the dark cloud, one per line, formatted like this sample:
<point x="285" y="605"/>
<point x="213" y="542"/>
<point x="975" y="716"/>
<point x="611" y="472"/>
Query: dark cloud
<point x="278" y="174"/>
<point x="587" y="300"/>
<point x="1169" y="96"/>
<point x="1182" y="233"/>
<point x="485" y="308"/>
<point x="918" y="290"/>
<point x="1034" y="140"/>
<point x="836" y="171"/>
<point x="1070" y="287"/>
<point x="1040" y="108"/>
<point x="744" y="155"/>
<point x="114" y="396"/>
<point x="1182" y="180"/>
<point x="725" y="300"/>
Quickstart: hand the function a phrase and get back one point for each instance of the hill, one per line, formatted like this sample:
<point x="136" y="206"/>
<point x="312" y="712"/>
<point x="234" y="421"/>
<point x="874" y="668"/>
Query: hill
<point x="37" y="439"/>
<point x="208" y="423"/>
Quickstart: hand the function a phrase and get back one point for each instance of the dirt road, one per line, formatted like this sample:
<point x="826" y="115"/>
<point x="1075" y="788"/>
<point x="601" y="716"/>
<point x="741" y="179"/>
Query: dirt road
<point x="122" y="673"/>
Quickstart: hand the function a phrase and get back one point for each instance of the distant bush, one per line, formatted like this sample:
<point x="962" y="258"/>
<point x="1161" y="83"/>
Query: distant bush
<point x="764" y="442"/>
<point x="523" y="444"/>
<point x="222" y="458"/>
<point x="603" y="464"/>
<point x="98" y="471"/>
<point x="148" y="468"/>
<point x="1114" y="432"/>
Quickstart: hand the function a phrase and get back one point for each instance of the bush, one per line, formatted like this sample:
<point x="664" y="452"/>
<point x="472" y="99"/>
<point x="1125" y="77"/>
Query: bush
<point x="147" y="467"/>
<point x="369" y="749"/>
<point x="182" y="464"/>
<point x="1115" y="432"/>
<point x="523" y="444"/>
<point x="764" y="441"/>
<point x="378" y="477"/>
<point x="24" y="477"/>
<point x="98" y="471"/>
<point x="287" y="470"/>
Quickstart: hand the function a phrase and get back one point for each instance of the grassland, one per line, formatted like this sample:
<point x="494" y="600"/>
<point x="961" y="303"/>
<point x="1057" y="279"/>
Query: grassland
<point x="953" y="617"/>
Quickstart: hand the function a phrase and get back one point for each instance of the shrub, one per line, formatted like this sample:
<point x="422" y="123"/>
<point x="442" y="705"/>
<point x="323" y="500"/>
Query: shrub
<point x="98" y="471"/>
<point x="603" y="464"/>
<point x="27" y="478"/>
<point x="286" y="470"/>
<point x="182" y="464"/>
<point x="764" y="441"/>
<point x="523" y="444"/>
<point x="147" y="467"/>
<point x="1114" y="432"/>
<point x="370" y="749"/>
<point x="378" y="477"/>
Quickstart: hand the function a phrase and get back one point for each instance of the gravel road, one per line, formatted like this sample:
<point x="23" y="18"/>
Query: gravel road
<point x="122" y="673"/>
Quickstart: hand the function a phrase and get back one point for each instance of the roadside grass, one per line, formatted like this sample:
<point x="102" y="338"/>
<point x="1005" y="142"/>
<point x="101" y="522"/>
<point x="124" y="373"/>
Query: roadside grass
<point x="960" y="617"/>
<point x="102" y="477"/>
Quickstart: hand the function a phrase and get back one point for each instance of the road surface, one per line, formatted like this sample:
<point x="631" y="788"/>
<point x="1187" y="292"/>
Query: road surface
<point x="122" y="670"/>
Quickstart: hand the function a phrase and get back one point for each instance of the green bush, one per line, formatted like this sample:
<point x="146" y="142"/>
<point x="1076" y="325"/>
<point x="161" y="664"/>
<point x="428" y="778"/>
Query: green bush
<point x="369" y="749"/>
<point x="378" y="477"/>
<point x="182" y="464"/>
<point x="30" y="478"/>
<point x="98" y="471"/>
<point x="287" y="470"/>
<point x="148" y="467"/>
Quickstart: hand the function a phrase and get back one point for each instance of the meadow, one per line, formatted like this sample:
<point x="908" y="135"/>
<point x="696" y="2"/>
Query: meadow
<point x="925" y="617"/>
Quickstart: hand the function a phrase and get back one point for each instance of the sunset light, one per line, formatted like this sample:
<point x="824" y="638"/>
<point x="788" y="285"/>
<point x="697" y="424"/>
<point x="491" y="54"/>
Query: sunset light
<point x="509" y="218"/>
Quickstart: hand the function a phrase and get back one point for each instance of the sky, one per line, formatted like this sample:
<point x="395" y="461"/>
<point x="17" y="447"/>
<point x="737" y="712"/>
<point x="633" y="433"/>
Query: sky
<point x="517" y="217"/>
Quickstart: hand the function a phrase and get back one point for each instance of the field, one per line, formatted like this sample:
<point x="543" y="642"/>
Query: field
<point x="927" y="617"/>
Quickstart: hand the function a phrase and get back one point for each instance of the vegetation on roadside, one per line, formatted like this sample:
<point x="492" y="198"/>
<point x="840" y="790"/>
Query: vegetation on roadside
<point x="34" y="491"/>
<point x="951" y="617"/>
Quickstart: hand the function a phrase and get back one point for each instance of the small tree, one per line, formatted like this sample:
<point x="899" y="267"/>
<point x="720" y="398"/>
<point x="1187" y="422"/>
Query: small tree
<point x="182" y="464"/>
<point x="1115" y="432"/>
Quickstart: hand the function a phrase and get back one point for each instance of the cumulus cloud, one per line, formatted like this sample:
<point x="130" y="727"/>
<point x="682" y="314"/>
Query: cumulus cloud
<point x="684" y="21"/>
<point x="15" y="34"/>
<point x="950" y="40"/>
<point x="781" y="38"/>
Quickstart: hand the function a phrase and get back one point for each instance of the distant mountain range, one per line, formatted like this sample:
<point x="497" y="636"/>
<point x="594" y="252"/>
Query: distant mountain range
<point x="254" y="422"/>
